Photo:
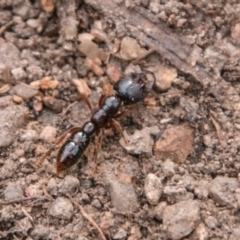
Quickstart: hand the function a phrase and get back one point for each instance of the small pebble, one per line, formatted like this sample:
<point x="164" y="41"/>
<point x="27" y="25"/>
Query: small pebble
<point x="158" y="210"/>
<point x="33" y="23"/>
<point x="141" y="141"/>
<point x="222" y="190"/>
<point x="153" y="188"/>
<point x="85" y="198"/>
<point x="48" y="134"/>
<point x="24" y="91"/>
<point x="33" y="190"/>
<point x="34" y="72"/>
<point x="121" y="234"/>
<point x="13" y="191"/>
<point x="211" y="222"/>
<point x="61" y="208"/>
<point x="69" y="185"/>
<point x="201" y="232"/>
<point x="25" y="224"/>
<point x="52" y="187"/>
<point x="11" y="60"/>
<point x="40" y="232"/>
<point x="29" y="135"/>
<point x="130" y="49"/>
<point x="54" y="103"/>
<point x="168" y="168"/>
<point x="17" y="99"/>
<point x="96" y="203"/>
<point x="18" y="74"/>
<point x="123" y="196"/>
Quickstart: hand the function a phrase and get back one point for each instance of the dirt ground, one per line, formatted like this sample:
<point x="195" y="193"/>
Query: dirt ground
<point x="178" y="177"/>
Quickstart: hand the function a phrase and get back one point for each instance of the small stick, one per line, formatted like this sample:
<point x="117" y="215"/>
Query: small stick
<point x="22" y="200"/>
<point x="87" y="216"/>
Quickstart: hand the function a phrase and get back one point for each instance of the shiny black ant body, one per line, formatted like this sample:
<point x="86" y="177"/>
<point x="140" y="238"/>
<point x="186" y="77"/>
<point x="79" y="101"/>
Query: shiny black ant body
<point x="130" y="89"/>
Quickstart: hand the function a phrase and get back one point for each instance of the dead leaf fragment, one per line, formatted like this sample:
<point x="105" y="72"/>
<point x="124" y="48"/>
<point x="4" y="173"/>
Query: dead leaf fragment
<point x="176" y="143"/>
<point x="82" y="86"/>
<point x="89" y="48"/>
<point x="5" y="88"/>
<point x="48" y="83"/>
<point x="48" y="5"/>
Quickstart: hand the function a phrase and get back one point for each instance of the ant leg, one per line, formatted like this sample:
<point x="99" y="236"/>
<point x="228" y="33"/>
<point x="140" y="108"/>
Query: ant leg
<point x="100" y="101"/>
<point x="58" y="141"/>
<point x="86" y="100"/>
<point x="99" y="143"/>
<point x="118" y="127"/>
<point x="122" y="112"/>
<point x="150" y="51"/>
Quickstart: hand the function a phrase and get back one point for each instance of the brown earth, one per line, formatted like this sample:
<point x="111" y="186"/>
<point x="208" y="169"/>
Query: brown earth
<point x="179" y="176"/>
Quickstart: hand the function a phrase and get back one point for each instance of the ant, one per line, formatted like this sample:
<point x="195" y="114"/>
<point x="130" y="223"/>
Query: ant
<point x="130" y="89"/>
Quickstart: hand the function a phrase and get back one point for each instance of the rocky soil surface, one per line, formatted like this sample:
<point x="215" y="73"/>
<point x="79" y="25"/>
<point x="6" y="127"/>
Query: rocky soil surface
<point x="178" y="177"/>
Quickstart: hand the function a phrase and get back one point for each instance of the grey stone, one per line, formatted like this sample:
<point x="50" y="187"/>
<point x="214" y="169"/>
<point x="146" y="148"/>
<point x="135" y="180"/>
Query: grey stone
<point x="177" y="193"/>
<point x="96" y="203"/>
<point x="25" y="91"/>
<point x="168" y="168"/>
<point x="40" y="232"/>
<point x="120" y="234"/>
<point x="61" y="208"/>
<point x="222" y="191"/>
<point x="123" y="196"/>
<point x="13" y="191"/>
<point x="211" y="222"/>
<point x="10" y="55"/>
<point x="52" y="187"/>
<point x="141" y="141"/>
<point x="180" y="219"/>
<point x="18" y="74"/>
<point x="69" y="185"/>
<point x="158" y="211"/>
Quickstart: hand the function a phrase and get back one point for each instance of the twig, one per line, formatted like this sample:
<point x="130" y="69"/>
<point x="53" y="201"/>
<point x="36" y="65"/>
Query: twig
<point x="87" y="216"/>
<point x="27" y="214"/>
<point x="4" y="27"/>
<point x="219" y="131"/>
<point x="23" y="200"/>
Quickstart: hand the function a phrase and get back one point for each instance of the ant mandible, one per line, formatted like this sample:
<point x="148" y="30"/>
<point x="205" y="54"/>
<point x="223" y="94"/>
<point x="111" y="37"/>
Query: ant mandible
<point x="130" y="89"/>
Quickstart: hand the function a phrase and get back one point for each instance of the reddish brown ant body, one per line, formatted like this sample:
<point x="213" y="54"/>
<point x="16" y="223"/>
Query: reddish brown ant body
<point x="130" y="89"/>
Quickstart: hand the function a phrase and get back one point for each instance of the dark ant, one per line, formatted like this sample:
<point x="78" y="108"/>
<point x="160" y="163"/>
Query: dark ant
<point x="130" y="89"/>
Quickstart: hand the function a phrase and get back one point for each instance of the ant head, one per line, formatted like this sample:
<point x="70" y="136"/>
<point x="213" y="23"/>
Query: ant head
<point x="134" y="87"/>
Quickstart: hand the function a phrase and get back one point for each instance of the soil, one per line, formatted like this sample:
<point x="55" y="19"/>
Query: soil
<point x="178" y="177"/>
